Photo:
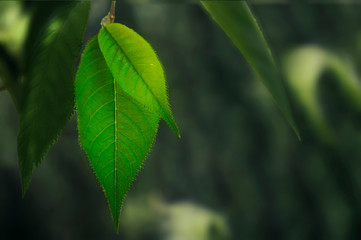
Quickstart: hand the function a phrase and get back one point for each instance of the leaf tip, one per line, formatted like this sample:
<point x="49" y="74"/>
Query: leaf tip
<point x="295" y="130"/>
<point x="178" y="134"/>
<point x="176" y="130"/>
<point x="298" y="136"/>
<point x="172" y="124"/>
<point x="24" y="185"/>
<point x="116" y="226"/>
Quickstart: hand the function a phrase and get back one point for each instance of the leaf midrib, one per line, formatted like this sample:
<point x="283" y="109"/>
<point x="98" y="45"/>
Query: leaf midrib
<point x="115" y="147"/>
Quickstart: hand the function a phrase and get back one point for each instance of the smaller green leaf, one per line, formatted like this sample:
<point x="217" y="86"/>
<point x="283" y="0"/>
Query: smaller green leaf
<point x="137" y="69"/>
<point x="115" y="131"/>
<point x="238" y="22"/>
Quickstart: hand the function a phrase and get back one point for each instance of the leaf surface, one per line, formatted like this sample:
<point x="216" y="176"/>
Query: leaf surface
<point x="47" y="95"/>
<point x="137" y="69"/>
<point x="42" y="14"/>
<point x="115" y="131"/>
<point x="237" y="21"/>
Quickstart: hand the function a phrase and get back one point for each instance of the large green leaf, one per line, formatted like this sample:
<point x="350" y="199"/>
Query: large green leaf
<point x="128" y="54"/>
<point x="47" y="96"/>
<point x="115" y="131"/>
<point x="237" y="21"/>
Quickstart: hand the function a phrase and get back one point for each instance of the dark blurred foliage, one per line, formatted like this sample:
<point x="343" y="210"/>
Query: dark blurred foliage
<point x="238" y="168"/>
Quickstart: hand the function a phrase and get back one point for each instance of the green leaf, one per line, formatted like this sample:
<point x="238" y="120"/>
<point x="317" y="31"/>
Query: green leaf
<point x="237" y="21"/>
<point x="42" y="13"/>
<point x="136" y="68"/>
<point x="115" y="131"/>
<point x="47" y="96"/>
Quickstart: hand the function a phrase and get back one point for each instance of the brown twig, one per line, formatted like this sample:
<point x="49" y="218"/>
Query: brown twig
<point x="111" y="15"/>
<point x="112" y="11"/>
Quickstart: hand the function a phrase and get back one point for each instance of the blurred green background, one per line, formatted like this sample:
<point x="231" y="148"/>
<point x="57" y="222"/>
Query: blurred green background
<point x="238" y="172"/>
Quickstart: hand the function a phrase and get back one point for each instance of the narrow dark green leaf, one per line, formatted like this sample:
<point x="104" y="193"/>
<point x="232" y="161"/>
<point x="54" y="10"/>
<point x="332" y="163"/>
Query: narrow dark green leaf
<point x="128" y="54"/>
<point x="47" y="97"/>
<point x="237" y="21"/>
<point x="115" y="131"/>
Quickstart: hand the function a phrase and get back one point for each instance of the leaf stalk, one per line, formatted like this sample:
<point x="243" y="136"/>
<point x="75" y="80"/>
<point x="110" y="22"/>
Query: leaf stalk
<point x="109" y="18"/>
<point x="112" y="11"/>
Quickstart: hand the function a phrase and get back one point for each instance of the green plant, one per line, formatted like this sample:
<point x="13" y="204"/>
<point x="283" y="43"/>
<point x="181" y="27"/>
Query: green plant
<point x="120" y="89"/>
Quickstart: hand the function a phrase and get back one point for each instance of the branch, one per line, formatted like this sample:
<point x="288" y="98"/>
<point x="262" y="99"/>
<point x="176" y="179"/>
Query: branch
<point x="112" y="11"/>
<point x="111" y="15"/>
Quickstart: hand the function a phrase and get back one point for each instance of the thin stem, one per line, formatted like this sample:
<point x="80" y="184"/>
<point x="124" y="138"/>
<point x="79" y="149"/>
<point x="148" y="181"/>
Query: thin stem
<point x="111" y="15"/>
<point x="112" y="11"/>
